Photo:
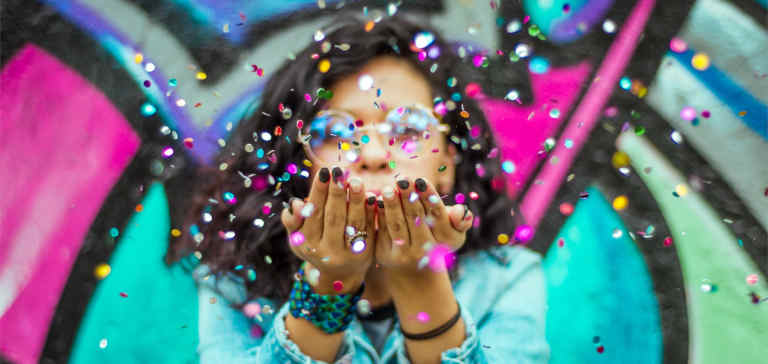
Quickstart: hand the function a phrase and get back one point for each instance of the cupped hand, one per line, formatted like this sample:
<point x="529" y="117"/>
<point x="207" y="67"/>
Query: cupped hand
<point x="320" y="232"/>
<point x="416" y="229"/>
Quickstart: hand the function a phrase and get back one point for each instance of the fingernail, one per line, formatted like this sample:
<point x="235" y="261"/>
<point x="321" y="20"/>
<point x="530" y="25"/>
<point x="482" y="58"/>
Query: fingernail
<point x="380" y="204"/>
<point x="371" y="200"/>
<point x="337" y="173"/>
<point x="290" y="204"/>
<point x="420" y="184"/>
<point x="466" y="211"/>
<point x="434" y="199"/>
<point x="324" y="175"/>
<point x="388" y="192"/>
<point x="356" y="184"/>
<point x="403" y="184"/>
<point x="287" y="205"/>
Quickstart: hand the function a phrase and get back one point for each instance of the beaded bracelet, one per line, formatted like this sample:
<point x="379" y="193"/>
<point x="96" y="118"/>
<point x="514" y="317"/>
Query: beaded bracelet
<point x="331" y="313"/>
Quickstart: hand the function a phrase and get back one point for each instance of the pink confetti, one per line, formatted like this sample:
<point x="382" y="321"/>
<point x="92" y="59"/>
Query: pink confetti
<point x="297" y="238"/>
<point x="441" y="258"/>
<point x="459" y="198"/>
<point x="422" y="317"/>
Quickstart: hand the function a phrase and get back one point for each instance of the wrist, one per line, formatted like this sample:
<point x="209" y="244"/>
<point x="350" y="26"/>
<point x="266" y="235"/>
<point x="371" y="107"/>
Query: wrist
<point x="418" y="283"/>
<point x="330" y="284"/>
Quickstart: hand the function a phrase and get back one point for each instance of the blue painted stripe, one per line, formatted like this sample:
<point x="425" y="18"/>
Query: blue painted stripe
<point x="763" y="3"/>
<point x="729" y="93"/>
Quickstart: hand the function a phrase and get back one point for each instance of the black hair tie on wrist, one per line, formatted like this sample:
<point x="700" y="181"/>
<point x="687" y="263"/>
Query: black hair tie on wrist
<point x="436" y="332"/>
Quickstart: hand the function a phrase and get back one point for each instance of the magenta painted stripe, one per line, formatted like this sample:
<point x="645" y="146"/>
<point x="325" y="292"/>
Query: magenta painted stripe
<point x="64" y="145"/>
<point x="539" y="196"/>
<point x="521" y="130"/>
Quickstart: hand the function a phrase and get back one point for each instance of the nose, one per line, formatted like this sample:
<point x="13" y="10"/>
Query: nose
<point x="374" y="155"/>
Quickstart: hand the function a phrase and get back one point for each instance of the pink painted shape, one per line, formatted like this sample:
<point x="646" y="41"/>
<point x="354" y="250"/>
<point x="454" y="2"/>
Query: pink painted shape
<point x="520" y="138"/>
<point x="63" y="145"/>
<point x="539" y="196"/>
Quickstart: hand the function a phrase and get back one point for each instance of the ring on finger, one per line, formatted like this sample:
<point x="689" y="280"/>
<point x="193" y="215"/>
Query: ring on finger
<point x="358" y="242"/>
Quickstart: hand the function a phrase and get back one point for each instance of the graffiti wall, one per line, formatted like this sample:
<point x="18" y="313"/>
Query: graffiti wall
<point x="634" y="136"/>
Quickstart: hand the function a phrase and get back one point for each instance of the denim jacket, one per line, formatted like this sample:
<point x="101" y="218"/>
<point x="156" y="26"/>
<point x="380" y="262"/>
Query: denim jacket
<point x="501" y="291"/>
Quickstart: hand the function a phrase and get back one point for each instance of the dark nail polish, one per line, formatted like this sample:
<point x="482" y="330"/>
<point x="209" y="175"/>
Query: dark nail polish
<point x="324" y="175"/>
<point x="380" y="204"/>
<point x="420" y="184"/>
<point x="371" y="200"/>
<point x="337" y="173"/>
<point x="466" y="210"/>
<point x="403" y="184"/>
<point x="287" y="205"/>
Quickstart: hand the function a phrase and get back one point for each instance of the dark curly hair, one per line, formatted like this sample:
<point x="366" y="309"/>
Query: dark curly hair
<point x="224" y="226"/>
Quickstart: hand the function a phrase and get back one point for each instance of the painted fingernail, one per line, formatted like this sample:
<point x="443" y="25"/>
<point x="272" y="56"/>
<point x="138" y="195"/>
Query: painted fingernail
<point x="434" y="199"/>
<point x="420" y="184"/>
<point x="290" y="204"/>
<point x="287" y="205"/>
<point x="324" y="175"/>
<point x="403" y="184"/>
<point x="380" y="204"/>
<point x="371" y="200"/>
<point x="337" y="173"/>
<point x="356" y="184"/>
<point x="466" y="211"/>
<point x="388" y="192"/>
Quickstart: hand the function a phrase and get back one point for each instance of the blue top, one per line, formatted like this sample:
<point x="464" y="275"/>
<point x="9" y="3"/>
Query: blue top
<point x="501" y="291"/>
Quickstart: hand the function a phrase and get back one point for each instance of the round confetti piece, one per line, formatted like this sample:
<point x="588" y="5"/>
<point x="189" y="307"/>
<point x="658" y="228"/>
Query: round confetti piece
<point x="189" y="143"/>
<point x="423" y="39"/>
<point x="364" y="307"/>
<point x="338" y="286"/>
<point x="752" y="279"/>
<point x="138" y="58"/>
<point x="678" y="45"/>
<point x="148" y="109"/>
<point x="474" y="196"/>
<point x="459" y="198"/>
<point x="560" y="242"/>
<point x="252" y="309"/>
<point x="668" y="241"/>
<point x="422" y="317"/>
<point x="700" y="61"/>
<point x="114" y="232"/>
<point x="620" y="203"/>
<point x="508" y="166"/>
<point x="297" y="238"/>
<point x="681" y="190"/>
<point x="600" y="349"/>
<point x="103" y="343"/>
<point x="365" y="82"/>
<point x="566" y="208"/>
<point x="324" y="65"/>
<point x="139" y="208"/>
<point x="201" y="75"/>
<point x="369" y="26"/>
<point x="502" y="238"/>
<point x="620" y="159"/>
<point x="688" y="113"/>
<point x="102" y="271"/>
<point x="175" y="233"/>
<point x="523" y="233"/>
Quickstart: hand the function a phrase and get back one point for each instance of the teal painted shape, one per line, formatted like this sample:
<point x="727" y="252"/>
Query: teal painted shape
<point x="157" y="321"/>
<point x="599" y="286"/>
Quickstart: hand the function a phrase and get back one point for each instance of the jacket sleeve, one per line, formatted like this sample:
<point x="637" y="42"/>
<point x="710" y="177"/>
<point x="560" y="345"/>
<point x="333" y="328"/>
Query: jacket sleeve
<point x="226" y="335"/>
<point x="512" y="332"/>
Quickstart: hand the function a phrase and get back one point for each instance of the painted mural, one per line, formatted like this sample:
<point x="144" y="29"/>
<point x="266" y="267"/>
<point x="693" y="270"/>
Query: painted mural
<point x="634" y="136"/>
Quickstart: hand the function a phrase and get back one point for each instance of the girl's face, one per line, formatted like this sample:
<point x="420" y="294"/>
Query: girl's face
<point x="413" y="144"/>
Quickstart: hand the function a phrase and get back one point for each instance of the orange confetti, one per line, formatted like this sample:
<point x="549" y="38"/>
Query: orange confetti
<point x="278" y="131"/>
<point x="464" y="114"/>
<point x="369" y="26"/>
<point x="139" y="208"/>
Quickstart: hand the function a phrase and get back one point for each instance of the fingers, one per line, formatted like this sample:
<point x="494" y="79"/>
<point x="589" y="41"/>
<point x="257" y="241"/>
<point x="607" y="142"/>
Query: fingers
<point x="336" y="209"/>
<point x="313" y="224"/>
<point x="448" y="223"/>
<point x="370" y="215"/>
<point x="291" y="216"/>
<point x="393" y="217"/>
<point x="413" y="212"/>
<point x="461" y="217"/>
<point x="356" y="214"/>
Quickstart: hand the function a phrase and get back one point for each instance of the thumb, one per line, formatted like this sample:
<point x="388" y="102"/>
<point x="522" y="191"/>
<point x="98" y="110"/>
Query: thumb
<point x="461" y="217"/>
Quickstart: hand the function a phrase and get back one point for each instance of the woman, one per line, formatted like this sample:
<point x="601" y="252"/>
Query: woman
<point x="385" y="169"/>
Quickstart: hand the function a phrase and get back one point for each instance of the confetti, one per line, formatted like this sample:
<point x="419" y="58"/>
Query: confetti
<point x="700" y="61"/>
<point x="297" y="238"/>
<point x="148" y="109"/>
<point x="324" y="65"/>
<point x="365" y="82"/>
<point x="423" y="40"/>
<point x="502" y="238"/>
<point x="523" y="233"/>
<point x="620" y="203"/>
<point x="423" y="317"/>
<point x="752" y="279"/>
<point x="201" y="75"/>
<point x="688" y="113"/>
<point x="566" y="208"/>
<point x="338" y="286"/>
<point x="102" y="271"/>
<point x="668" y="241"/>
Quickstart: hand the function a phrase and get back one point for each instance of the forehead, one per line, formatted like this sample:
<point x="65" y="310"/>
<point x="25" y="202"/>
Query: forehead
<point x="400" y="83"/>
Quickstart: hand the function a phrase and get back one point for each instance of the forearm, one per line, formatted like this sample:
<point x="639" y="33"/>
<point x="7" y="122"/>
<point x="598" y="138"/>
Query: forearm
<point x="430" y="293"/>
<point x="312" y="340"/>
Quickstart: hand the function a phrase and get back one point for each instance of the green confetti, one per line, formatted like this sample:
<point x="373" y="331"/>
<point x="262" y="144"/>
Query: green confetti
<point x="442" y="168"/>
<point x="392" y="164"/>
<point x="639" y="130"/>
